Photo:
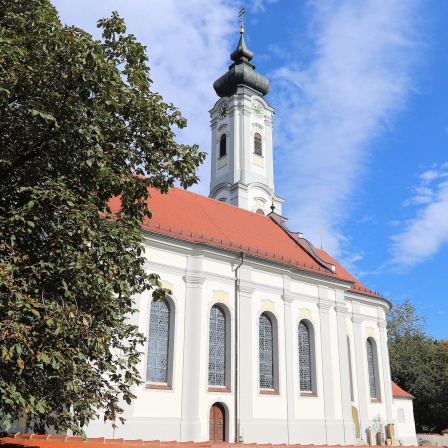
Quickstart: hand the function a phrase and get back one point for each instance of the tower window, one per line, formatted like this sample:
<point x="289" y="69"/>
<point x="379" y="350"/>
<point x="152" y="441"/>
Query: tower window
<point x="222" y="146"/>
<point x="257" y="144"/>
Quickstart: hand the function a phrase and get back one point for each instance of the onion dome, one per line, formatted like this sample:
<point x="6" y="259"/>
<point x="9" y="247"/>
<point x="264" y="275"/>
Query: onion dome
<point x="241" y="73"/>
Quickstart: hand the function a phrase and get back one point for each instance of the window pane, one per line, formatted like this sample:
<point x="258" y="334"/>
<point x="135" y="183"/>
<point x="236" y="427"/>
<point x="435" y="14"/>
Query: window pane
<point x="305" y="358"/>
<point x="222" y="146"/>
<point x="257" y="144"/>
<point x="266" y="344"/>
<point x="371" y="366"/>
<point x="217" y="347"/>
<point x="158" y="342"/>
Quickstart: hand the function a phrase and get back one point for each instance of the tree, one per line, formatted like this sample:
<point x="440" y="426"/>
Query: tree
<point x="419" y="365"/>
<point x="79" y="125"/>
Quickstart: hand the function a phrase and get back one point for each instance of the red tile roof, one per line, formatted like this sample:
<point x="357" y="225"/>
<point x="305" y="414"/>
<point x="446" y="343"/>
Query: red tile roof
<point x="35" y="441"/>
<point x="398" y="392"/>
<point x="192" y="217"/>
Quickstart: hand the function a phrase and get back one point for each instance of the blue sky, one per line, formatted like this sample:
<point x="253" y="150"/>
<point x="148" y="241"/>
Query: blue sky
<point x="360" y="90"/>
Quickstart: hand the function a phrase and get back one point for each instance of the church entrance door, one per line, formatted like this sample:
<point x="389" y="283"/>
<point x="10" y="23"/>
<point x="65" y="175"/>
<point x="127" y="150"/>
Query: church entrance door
<point x="217" y="423"/>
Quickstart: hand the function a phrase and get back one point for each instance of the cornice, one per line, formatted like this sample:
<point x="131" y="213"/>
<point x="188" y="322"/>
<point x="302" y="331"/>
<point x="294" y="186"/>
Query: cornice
<point x="359" y="297"/>
<point x="294" y="272"/>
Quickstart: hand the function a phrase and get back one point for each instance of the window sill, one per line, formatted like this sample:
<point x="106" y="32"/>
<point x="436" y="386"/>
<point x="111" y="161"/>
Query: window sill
<point x="158" y="387"/>
<point x="223" y="390"/>
<point x="268" y="392"/>
<point x="375" y="400"/>
<point x="308" y="394"/>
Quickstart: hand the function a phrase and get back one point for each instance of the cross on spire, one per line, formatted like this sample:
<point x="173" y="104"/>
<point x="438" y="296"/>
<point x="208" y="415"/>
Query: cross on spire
<point x="240" y="15"/>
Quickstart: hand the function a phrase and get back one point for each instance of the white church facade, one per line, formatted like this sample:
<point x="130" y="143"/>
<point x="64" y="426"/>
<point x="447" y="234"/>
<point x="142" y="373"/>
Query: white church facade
<point x="264" y="338"/>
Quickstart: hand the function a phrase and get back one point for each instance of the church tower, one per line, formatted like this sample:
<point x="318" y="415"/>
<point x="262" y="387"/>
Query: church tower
<point x="242" y="170"/>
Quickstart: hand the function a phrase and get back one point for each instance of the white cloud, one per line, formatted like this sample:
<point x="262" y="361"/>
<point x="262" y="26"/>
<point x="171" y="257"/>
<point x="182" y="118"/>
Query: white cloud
<point x="188" y="42"/>
<point x="188" y="47"/>
<point x="329" y="112"/>
<point x="259" y="5"/>
<point x="424" y="235"/>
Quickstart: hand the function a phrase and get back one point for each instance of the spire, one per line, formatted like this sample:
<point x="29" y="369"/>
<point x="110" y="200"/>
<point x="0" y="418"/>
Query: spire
<point x="241" y="72"/>
<point x="242" y="53"/>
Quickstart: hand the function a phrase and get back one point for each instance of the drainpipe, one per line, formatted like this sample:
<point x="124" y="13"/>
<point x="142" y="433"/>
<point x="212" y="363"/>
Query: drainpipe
<point x="238" y="429"/>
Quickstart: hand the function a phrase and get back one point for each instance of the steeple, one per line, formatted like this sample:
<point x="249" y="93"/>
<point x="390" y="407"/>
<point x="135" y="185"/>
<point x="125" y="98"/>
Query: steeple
<point x="242" y="171"/>
<point x="241" y="72"/>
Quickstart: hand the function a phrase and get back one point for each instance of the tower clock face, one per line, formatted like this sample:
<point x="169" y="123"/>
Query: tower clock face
<point x="257" y="109"/>
<point x="223" y="111"/>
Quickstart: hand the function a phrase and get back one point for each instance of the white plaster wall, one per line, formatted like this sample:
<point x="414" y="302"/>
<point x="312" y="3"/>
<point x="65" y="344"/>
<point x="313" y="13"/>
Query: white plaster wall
<point x="405" y="431"/>
<point x="304" y="288"/>
<point x="157" y="414"/>
<point x="267" y="279"/>
<point x="164" y="256"/>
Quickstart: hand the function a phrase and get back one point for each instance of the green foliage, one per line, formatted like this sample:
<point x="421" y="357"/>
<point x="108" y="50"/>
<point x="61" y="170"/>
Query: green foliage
<point x="79" y="125"/>
<point x="419" y="364"/>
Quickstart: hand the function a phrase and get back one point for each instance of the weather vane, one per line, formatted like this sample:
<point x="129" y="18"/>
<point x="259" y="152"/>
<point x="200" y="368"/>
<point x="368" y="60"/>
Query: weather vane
<point x="240" y="15"/>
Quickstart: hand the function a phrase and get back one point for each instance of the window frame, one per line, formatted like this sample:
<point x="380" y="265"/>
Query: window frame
<point x="222" y="144"/>
<point x="258" y="137"/>
<point x="375" y="372"/>
<point x="226" y="346"/>
<point x="312" y="355"/>
<point x="275" y="365"/>
<point x="170" y="355"/>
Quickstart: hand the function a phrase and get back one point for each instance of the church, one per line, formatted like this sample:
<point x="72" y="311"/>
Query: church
<point x="264" y="338"/>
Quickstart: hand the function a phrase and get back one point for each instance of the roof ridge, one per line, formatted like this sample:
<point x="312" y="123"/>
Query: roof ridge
<point x="297" y="237"/>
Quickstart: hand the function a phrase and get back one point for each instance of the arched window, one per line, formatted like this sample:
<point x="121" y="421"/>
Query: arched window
<point x="372" y="369"/>
<point x="223" y="145"/>
<point x="217" y="347"/>
<point x="158" y="342"/>
<point x="257" y="144"/>
<point x="266" y="342"/>
<point x="306" y="370"/>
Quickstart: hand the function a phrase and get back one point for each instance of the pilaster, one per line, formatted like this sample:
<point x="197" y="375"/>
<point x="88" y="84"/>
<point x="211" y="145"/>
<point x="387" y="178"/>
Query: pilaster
<point x="344" y="369"/>
<point x="289" y="347"/>
<point x="193" y="325"/>
<point x="325" y="307"/>
<point x="361" y="373"/>
<point x="382" y="324"/>
<point x="246" y="360"/>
